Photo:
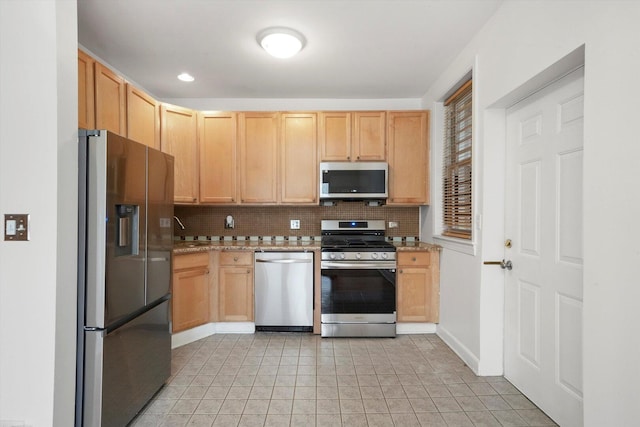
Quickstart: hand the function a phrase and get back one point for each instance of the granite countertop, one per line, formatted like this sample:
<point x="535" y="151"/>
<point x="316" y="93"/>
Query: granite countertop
<point x="187" y="247"/>
<point x="416" y="246"/>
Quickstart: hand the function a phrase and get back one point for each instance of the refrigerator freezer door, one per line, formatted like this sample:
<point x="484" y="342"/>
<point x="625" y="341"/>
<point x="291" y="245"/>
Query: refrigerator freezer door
<point x="160" y="224"/>
<point x="116" y="229"/>
<point x="125" y="368"/>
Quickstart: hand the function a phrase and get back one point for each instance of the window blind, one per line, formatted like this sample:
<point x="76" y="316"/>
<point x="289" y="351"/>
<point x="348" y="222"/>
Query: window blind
<point x="457" y="165"/>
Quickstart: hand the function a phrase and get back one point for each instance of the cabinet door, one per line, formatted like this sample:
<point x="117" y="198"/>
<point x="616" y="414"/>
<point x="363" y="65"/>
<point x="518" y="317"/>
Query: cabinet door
<point x="86" y="106"/>
<point x="368" y="136"/>
<point x="258" y="157"/>
<point x="178" y="137"/>
<point x="408" y="156"/>
<point x="299" y="167"/>
<point x="235" y="294"/>
<point x="218" y="170"/>
<point x="143" y="118"/>
<point x="334" y="133"/>
<point x="414" y="295"/>
<point x="190" y="301"/>
<point x="110" y="100"/>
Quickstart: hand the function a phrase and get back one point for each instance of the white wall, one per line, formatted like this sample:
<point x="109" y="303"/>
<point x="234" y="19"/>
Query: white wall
<point x="38" y="158"/>
<point x="521" y="41"/>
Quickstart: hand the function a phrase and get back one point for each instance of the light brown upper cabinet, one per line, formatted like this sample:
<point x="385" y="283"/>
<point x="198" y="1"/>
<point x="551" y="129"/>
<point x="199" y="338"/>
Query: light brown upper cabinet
<point x="408" y="156"/>
<point x="110" y="100"/>
<point x="298" y="159"/>
<point x="86" y="106"/>
<point x="352" y="136"/>
<point x="368" y="136"/>
<point x="179" y="137"/>
<point x="218" y="158"/>
<point x="143" y="117"/>
<point x="258" y="134"/>
<point x="334" y="133"/>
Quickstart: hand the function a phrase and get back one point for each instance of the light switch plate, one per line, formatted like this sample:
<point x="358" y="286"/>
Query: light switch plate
<point x="295" y="224"/>
<point x="16" y="227"/>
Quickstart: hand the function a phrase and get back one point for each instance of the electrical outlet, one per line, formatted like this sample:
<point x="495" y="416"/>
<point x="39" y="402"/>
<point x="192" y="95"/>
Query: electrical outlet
<point x="393" y="224"/>
<point x="295" y="224"/>
<point x="16" y="227"/>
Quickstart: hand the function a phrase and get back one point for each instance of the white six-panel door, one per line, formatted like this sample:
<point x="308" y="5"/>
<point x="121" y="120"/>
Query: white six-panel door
<point x="543" y="292"/>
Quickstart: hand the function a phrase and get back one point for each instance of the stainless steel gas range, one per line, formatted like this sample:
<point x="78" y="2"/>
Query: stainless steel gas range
<point x="358" y="280"/>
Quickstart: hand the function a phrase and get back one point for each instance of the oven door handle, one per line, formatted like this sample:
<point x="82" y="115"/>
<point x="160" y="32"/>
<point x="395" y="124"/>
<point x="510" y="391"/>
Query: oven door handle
<point x="357" y="265"/>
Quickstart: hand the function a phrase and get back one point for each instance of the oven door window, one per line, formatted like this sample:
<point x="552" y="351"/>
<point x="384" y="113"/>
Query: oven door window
<point x="347" y="291"/>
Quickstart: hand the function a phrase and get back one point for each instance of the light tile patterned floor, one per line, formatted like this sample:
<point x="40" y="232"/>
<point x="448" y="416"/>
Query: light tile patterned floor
<point x="282" y="379"/>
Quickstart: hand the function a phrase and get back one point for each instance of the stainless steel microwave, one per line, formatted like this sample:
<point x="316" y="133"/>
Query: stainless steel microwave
<point x="353" y="180"/>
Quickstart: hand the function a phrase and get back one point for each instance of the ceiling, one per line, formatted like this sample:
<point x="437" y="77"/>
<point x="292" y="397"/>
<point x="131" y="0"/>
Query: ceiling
<point x="355" y="49"/>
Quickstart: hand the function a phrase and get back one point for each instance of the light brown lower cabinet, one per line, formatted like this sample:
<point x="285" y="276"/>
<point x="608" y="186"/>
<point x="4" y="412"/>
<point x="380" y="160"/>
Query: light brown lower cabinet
<point x="418" y="286"/>
<point x="190" y="299"/>
<point x="235" y="286"/>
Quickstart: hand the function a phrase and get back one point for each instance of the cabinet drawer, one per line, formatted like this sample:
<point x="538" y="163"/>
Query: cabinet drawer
<point x="181" y="262"/>
<point x="236" y="258"/>
<point x="408" y="259"/>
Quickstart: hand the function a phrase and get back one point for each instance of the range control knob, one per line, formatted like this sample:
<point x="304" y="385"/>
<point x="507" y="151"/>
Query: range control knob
<point x="384" y="255"/>
<point x="332" y="256"/>
<point x="374" y="255"/>
<point x="342" y="256"/>
<point x="358" y="256"/>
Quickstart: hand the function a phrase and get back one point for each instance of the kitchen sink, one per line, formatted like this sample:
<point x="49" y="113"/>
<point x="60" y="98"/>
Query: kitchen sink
<point x="193" y="244"/>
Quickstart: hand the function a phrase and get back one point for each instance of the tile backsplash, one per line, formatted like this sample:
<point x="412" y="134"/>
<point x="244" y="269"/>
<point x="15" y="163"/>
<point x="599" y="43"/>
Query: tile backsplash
<point x="275" y="220"/>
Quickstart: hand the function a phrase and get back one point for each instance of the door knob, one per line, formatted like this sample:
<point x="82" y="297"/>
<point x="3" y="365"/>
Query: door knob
<point x="505" y="265"/>
<point x="507" y="243"/>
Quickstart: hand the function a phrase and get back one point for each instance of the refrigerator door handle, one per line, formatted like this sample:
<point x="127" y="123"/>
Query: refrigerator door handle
<point x="158" y="259"/>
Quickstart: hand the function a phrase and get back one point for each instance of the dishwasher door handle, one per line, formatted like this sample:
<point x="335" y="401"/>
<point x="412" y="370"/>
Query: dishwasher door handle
<point x="284" y="261"/>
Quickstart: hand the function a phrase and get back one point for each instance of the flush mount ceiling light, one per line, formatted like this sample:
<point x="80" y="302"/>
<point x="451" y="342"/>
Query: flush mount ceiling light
<point x="281" y="42"/>
<point x="185" y="77"/>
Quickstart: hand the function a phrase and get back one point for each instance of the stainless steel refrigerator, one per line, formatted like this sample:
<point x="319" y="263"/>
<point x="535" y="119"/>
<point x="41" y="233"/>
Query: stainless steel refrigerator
<point x="124" y="275"/>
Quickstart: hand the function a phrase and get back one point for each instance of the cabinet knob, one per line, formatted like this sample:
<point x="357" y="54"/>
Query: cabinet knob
<point x="413" y="259"/>
<point x="348" y="157"/>
<point x="400" y="271"/>
<point x="206" y="271"/>
<point x="235" y="258"/>
<point x="248" y="270"/>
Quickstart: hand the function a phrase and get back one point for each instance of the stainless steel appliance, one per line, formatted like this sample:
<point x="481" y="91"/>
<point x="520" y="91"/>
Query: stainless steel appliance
<point x="124" y="275"/>
<point x="284" y="291"/>
<point x="358" y="270"/>
<point x="354" y="180"/>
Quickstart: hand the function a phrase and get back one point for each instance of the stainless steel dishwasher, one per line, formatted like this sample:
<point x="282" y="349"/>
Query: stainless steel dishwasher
<point x="284" y="291"/>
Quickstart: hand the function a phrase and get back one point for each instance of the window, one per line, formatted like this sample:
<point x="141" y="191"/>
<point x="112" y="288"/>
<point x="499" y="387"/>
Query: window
<point x="457" y="165"/>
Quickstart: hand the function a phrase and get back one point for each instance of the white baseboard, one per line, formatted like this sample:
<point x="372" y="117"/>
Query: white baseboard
<point x="458" y="348"/>
<point x="415" y="328"/>
<point x="193" y="334"/>
<point x="235" y="327"/>
<point x="208" y="329"/>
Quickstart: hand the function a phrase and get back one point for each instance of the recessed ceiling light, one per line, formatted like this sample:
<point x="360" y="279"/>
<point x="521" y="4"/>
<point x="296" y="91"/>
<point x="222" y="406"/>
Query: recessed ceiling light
<point x="185" y="77"/>
<point x="281" y="42"/>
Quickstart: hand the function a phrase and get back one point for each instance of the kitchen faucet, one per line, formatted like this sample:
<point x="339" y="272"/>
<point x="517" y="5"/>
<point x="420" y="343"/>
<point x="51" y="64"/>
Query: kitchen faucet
<point x="179" y="222"/>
